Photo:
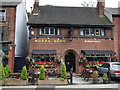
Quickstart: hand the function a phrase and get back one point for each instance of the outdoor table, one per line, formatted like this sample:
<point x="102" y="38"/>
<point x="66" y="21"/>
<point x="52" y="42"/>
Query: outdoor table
<point x="88" y="74"/>
<point x="14" y="75"/>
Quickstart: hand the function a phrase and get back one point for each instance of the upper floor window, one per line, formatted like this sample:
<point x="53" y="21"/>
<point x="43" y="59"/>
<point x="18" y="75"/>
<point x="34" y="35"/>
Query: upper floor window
<point x="49" y="31"/>
<point x="92" y="32"/>
<point x="2" y="15"/>
<point x="1" y="34"/>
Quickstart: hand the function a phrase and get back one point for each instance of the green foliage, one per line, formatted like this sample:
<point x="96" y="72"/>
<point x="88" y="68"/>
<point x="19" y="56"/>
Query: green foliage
<point x="63" y="72"/>
<point x="62" y="79"/>
<point x="6" y="72"/>
<point x="24" y="73"/>
<point x="8" y="69"/>
<point x="2" y="72"/>
<point x="105" y="76"/>
<point x="42" y="73"/>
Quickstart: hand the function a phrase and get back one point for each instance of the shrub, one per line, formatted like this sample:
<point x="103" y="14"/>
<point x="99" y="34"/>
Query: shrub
<point x="95" y="75"/>
<point x="2" y="72"/>
<point x="63" y="72"/>
<point x="42" y="73"/>
<point x="24" y="73"/>
<point x="6" y="72"/>
<point x="105" y="76"/>
<point x="8" y="69"/>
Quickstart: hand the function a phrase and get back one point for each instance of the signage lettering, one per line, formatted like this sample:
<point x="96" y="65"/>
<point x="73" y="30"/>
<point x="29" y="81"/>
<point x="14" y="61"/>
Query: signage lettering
<point x="50" y="41"/>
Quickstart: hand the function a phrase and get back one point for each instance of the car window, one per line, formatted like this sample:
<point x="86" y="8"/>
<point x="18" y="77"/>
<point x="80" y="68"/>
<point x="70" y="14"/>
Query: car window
<point x="116" y="65"/>
<point x="106" y="65"/>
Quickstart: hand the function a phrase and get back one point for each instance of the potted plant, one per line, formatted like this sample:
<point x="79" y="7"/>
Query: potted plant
<point x="63" y="72"/>
<point x="24" y="73"/>
<point x="105" y="78"/>
<point x="42" y="73"/>
<point x="95" y="77"/>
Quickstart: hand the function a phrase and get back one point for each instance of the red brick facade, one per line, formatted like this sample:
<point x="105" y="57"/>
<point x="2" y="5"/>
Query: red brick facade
<point x="116" y="22"/>
<point x="75" y="45"/>
<point x="9" y="32"/>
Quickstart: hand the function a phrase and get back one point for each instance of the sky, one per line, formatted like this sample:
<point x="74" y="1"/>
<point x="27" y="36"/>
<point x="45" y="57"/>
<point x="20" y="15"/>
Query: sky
<point x="73" y="3"/>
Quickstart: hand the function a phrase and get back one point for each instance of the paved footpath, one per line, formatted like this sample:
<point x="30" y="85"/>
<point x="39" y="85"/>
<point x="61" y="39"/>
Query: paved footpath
<point x="78" y="84"/>
<point x="65" y="87"/>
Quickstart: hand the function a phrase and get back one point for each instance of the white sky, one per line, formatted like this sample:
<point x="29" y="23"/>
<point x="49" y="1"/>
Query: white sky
<point x="74" y="3"/>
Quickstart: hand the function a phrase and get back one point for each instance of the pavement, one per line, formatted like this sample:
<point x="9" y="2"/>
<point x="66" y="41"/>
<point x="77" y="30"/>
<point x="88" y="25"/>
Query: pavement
<point x="78" y="84"/>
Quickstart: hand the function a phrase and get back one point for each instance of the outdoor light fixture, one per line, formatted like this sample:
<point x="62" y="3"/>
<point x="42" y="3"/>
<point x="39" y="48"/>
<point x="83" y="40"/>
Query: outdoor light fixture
<point x="32" y="32"/>
<point x="48" y="38"/>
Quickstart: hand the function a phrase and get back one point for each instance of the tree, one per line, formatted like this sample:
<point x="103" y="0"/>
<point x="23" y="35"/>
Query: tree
<point x="88" y="4"/>
<point x="42" y="73"/>
<point x="24" y="73"/>
<point x="63" y="72"/>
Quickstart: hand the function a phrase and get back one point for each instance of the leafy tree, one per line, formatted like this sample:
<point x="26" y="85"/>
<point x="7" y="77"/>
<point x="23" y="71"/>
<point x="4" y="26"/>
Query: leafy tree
<point x="24" y="73"/>
<point x="42" y="73"/>
<point x="63" y="72"/>
<point x="88" y="4"/>
<point x="2" y="72"/>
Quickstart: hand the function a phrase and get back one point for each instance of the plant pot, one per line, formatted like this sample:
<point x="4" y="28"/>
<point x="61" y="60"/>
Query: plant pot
<point x="95" y="81"/>
<point x="105" y="81"/>
<point x="15" y="82"/>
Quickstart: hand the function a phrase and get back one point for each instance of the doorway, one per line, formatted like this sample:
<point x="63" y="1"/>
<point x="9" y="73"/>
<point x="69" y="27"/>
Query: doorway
<point x="70" y="61"/>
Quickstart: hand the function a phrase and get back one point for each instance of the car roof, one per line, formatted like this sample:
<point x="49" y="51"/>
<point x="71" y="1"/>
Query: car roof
<point x="112" y="62"/>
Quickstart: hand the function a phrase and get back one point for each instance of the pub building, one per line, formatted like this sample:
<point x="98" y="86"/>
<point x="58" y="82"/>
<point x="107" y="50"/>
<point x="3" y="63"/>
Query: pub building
<point x="68" y="33"/>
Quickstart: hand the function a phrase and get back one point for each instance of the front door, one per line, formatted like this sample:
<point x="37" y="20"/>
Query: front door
<point x="70" y="61"/>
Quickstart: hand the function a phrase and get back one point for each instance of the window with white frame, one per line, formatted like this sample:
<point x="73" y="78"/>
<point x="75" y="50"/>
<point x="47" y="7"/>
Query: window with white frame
<point x="49" y="31"/>
<point x="2" y="15"/>
<point x="92" y="32"/>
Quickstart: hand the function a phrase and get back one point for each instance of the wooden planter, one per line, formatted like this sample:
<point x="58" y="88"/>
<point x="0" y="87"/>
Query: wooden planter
<point x="15" y="82"/>
<point x="52" y="82"/>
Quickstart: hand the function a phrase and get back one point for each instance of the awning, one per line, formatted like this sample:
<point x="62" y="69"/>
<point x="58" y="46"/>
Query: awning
<point x="96" y="52"/>
<point x="43" y="52"/>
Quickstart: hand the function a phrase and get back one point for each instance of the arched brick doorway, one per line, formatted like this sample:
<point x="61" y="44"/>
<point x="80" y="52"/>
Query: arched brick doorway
<point x="70" y="58"/>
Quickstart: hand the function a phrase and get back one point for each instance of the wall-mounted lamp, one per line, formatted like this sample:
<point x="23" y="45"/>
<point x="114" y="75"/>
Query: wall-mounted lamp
<point x="35" y="37"/>
<point x="32" y="32"/>
<point x="48" y="38"/>
<point x="58" y="38"/>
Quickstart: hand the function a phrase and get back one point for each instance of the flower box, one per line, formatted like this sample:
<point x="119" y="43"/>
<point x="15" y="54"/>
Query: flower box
<point x="15" y="82"/>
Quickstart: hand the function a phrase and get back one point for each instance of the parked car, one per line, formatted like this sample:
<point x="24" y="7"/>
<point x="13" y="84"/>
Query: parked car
<point x="111" y="68"/>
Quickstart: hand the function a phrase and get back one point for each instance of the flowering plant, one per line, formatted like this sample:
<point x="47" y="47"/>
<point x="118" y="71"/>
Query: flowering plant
<point x="83" y="59"/>
<point x="57" y="60"/>
<point x="93" y="64"/>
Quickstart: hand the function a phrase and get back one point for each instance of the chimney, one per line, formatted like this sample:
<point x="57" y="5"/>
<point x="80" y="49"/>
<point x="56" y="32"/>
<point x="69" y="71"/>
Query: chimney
<point x="36" y="7"/>
<point x="100" y="7"/>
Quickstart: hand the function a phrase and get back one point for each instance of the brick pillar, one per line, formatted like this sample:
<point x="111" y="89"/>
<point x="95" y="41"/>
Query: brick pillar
<point x="11" y="57"/>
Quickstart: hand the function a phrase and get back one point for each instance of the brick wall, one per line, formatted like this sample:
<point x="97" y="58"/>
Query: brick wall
<point x="116" y="22"/>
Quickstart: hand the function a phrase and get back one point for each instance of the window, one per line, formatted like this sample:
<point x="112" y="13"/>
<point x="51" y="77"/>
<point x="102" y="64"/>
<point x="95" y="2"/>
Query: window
<point x="49" y="31"/>
<point x="1" y="34"/>
<point x="2" y="15"/>
<point x="92" y="32"/>
<point x="97" y="33"/>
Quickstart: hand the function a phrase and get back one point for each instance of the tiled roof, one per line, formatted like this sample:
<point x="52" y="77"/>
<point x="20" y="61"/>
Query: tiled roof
<point x="10" y="2"/>
<point x="68" y="15"/>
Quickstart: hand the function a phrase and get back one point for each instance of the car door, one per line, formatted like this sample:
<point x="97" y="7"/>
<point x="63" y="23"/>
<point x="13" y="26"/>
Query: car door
<point x="104" y="68"/>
